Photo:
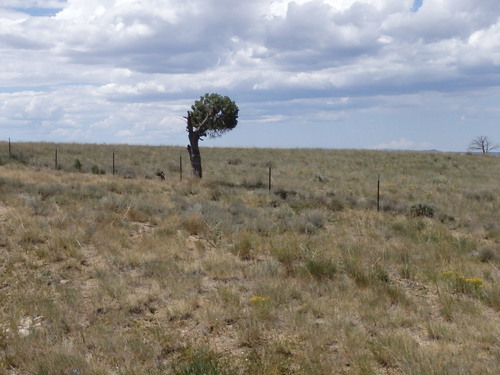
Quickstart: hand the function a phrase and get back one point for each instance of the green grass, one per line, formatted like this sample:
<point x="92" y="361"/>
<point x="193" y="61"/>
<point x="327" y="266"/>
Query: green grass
<point x="128" y="274"/>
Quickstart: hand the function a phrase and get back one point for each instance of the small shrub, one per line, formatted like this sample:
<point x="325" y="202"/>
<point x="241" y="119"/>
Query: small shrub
<point x="321" y="178"/>
<point x="128" y="173"/>
<point x="407" y="271"/>
<point x="447" y="219"/>
<point x="480" y="195"/>
<point x="317" y="218"/>
<point x="461" y="284"/>
<point x="174" y="167"/>
<point x="287" y="255"/>
<point x="440" y="180"/>
<point x="422" y="209"/>
<point x="261" y="306"/>
<point x="310" y="221"/>
<point x="236" y="161"/>
<point x="21" y="158"/>
<point x="215" y="194"/>
<point x="78" y="165"/>
<point x="488" y="255"/>
<point x="321" y="268"/>
<point x="391" y="348"/>
<point x="253" y="184"/>
<point x="64" y="361"/>
<point x="284" y="193"/>
<point x="243" y="245"/>
<point x="381" y="275"/>
<point x="389" y="205"/>
<point x="338" y="204"/>
<point x="96" y="170"/>
<point x="194" y="223"/>
<point x="357" y="272"/>
<point x="492" y="228"/>
<point x="159" y="173"/>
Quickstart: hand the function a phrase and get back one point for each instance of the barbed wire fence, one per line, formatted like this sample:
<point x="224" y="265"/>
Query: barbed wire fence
<point x="132" y="162"/>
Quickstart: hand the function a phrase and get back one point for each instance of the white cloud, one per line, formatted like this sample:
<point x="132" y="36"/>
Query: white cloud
<point x="95" y="58"/>
<point x="403" y="144"/>
<point x="54" y="4"/>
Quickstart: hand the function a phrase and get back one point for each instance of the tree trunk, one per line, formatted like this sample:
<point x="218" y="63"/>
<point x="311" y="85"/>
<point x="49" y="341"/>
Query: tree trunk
<point x="194" y="150"/>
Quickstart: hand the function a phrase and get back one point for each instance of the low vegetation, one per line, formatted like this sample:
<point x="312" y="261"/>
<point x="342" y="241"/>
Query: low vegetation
<point x="131" y="274"/>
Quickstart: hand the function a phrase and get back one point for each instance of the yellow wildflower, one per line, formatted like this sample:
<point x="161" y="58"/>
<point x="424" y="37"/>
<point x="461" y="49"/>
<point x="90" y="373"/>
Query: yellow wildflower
<point x="257" y="299"/>
<point x="476" y="282"/>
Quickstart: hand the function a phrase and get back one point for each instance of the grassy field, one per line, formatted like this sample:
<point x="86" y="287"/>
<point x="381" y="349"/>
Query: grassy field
<point x="128" y="274"/>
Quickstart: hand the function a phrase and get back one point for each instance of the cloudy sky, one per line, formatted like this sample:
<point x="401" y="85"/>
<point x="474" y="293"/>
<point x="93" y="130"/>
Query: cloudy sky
<point x="403" y="74"/>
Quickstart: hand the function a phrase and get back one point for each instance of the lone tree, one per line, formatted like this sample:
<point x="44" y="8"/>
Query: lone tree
<point x="212" y="115"/>
<point x="483" y="144"/>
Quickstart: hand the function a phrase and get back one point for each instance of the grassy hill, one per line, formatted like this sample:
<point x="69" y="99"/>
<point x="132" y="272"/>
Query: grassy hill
<point x="128" y="274"/>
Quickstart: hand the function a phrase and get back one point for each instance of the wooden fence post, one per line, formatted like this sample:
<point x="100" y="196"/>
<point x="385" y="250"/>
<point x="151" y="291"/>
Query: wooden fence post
<point x="10" y="153"/>
<point x="55" y="160"/>
<point x="180" y="166"/>
<point x="378" y="193"/>
<point x="113" y="163"/>
<point x="270" y="178"/>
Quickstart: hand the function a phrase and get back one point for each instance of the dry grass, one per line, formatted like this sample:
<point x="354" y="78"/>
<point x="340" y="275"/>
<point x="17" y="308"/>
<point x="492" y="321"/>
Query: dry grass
<point x="120" y="274"/>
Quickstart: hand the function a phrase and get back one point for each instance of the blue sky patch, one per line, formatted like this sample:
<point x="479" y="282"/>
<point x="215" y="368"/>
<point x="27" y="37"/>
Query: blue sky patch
<point x="39" y="12"/>
<point x="417" y="4"/>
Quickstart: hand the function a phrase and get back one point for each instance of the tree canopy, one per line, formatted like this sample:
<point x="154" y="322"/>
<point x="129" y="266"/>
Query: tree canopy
<point x="213" y="114"/>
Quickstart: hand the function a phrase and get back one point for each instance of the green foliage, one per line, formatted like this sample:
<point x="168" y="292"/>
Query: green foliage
<point x="96" y="170"/>
<point x="77" y="164"/>
<point x="213" y="114"/>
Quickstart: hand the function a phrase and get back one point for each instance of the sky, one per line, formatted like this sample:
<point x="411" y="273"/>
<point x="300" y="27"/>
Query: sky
<point x="355" y="74"/>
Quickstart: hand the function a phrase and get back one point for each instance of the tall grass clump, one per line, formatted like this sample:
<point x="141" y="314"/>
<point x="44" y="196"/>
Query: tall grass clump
<point x="320" y="269"/>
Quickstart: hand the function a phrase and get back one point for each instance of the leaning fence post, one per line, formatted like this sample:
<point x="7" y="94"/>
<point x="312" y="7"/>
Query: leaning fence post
<point x="378" y="193"/>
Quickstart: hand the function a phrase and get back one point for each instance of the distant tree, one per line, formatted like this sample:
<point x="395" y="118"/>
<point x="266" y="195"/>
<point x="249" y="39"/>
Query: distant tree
<point x="483" y="144"/>
<point x="212" y="115"/>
